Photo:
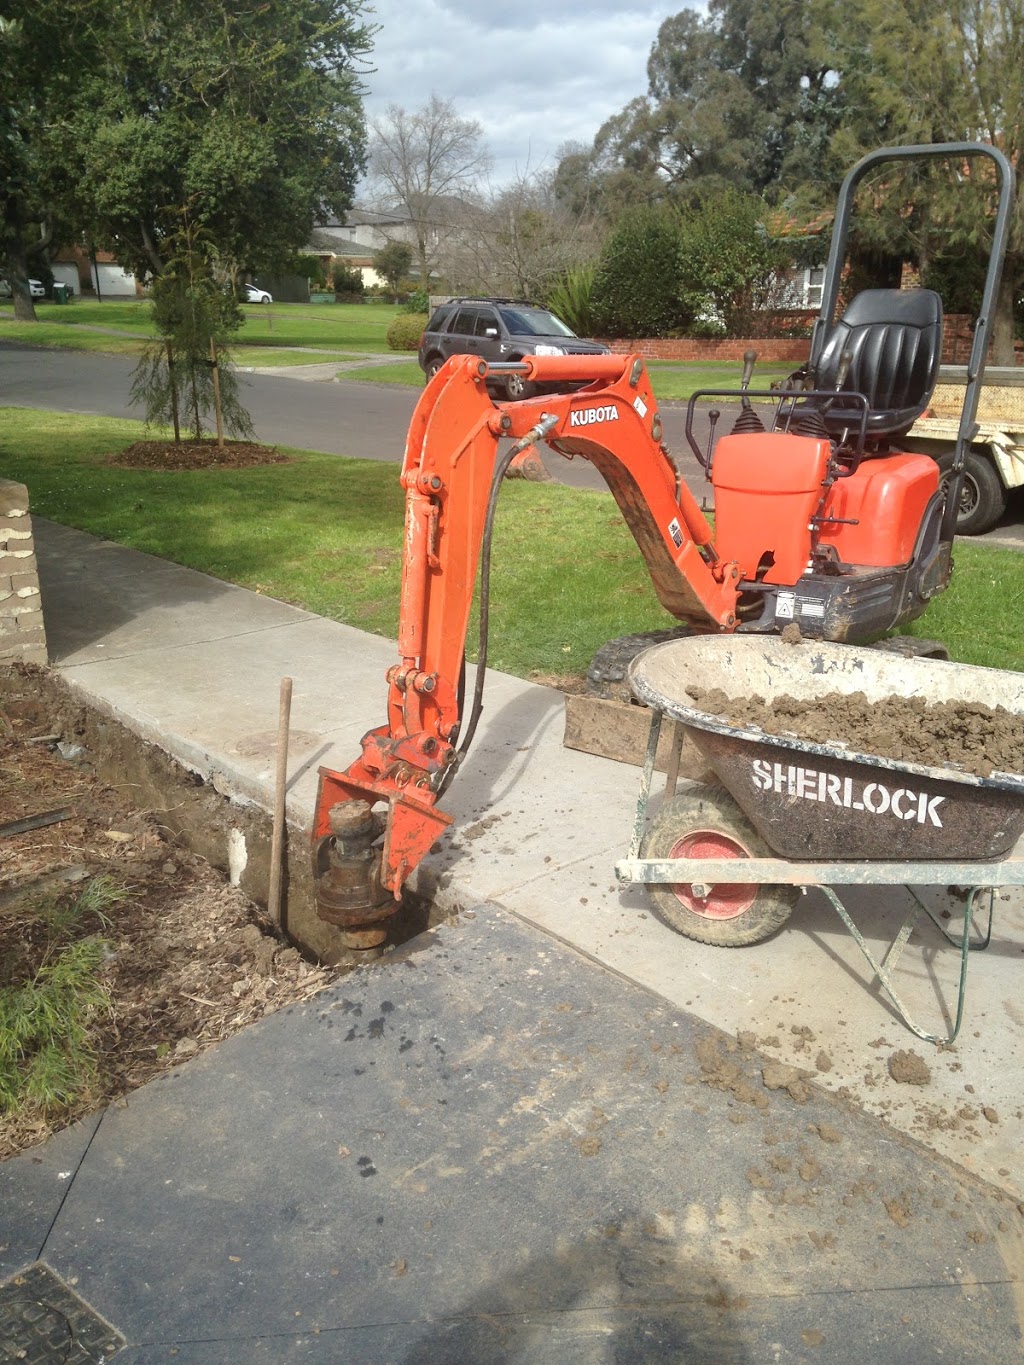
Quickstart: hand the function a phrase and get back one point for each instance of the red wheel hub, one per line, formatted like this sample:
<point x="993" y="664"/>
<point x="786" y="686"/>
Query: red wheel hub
<point x="725" y="900"/>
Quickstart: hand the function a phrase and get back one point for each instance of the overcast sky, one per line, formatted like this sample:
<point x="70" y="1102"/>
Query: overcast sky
<point x="534" y="73"/>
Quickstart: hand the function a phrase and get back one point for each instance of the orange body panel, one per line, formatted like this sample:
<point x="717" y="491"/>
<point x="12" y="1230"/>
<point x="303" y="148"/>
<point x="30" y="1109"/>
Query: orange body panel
<point x="768" y="486"/>
<point x="887" y="498"/>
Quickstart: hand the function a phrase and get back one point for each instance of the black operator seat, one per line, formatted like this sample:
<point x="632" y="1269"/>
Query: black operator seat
<point x="895" y="339"/>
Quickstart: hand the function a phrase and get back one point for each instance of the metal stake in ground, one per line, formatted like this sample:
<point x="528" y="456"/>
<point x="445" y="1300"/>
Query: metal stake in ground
<point x="280" y="788"/>
<point x="214" y="367"/>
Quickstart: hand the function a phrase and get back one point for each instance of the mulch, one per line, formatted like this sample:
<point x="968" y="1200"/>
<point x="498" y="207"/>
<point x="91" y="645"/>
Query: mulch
<point x="189" y="959"/>
<point x="204" y="454"/>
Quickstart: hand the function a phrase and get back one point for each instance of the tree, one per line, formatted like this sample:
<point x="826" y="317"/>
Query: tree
<point x="425" y="162"/>
<point x="732" y="99"/>
<point x="45" y="48"/>
<point x="636" y="285"/>
<point x="248" y="118"/>
<point x="182" y="373"/>
<point x="392" y="263"/>
<point x="728" y="264"/>
<point x="895" y="56"/>
<point x="524" y="240"/>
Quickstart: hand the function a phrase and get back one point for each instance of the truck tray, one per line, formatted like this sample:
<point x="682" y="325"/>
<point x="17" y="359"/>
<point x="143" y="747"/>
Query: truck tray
<point x="819" y="801"/>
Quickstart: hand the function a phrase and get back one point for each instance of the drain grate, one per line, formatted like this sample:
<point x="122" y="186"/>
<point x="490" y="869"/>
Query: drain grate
<point x="43" y="1322"/>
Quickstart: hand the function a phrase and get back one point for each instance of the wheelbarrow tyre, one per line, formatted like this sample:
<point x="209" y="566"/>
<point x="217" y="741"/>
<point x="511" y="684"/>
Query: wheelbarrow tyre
<point x="706" y="822"/>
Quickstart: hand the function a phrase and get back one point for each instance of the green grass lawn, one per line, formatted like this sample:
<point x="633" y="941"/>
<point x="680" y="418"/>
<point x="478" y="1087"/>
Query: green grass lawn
<point x="679" y="379"/>
<point x="343" y="328"/>
<point x="403" y="372"/>
<point x="325" y="533"/>
<point x="670" y="379"/>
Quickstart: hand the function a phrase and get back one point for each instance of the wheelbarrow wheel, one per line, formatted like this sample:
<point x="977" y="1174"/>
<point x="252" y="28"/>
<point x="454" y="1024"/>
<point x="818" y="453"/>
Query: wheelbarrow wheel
<point x="706" y="822"/>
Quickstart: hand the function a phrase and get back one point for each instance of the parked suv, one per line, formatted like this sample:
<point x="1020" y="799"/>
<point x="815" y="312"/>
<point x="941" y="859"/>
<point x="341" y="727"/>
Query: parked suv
<point x="499" y="329"/>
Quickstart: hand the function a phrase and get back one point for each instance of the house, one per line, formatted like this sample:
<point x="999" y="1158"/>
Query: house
<point x="354" y="240"/>
<point x="94" y="273"/>
<point x="453" y="231"/>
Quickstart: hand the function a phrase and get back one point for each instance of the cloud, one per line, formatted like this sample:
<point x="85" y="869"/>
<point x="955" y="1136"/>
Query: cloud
<point x="533" y="74"/>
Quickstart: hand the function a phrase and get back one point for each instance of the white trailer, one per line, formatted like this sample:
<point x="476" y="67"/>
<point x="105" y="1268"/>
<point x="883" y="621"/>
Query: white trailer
<point x="995" y="458"/>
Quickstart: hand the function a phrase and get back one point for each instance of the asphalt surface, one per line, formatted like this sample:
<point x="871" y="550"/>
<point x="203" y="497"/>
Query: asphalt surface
<point x="364" y="420"/>
<point x="360" y="419"/>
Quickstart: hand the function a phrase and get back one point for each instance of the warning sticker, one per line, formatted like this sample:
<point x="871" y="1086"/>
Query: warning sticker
<point x="640" y="406"/>
<point x="675" y="531"/>
<point x="788" y="606"/>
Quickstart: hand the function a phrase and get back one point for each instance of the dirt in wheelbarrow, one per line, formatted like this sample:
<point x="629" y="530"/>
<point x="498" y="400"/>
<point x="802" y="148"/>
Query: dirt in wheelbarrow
<point x="963" y="735"/>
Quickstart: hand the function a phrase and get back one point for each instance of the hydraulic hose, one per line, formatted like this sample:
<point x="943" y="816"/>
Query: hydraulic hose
<point x="536" y="433"/>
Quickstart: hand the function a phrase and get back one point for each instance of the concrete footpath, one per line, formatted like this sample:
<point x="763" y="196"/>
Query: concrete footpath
<point x="520" y="1137"/>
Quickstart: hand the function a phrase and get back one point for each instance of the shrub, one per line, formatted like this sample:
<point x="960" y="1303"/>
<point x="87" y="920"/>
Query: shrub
<point x="348" y="280"/>
<point x="405" y="331"/>
<point x="727" y="264"/>
<point x="572" y="299"/>
<point x="417" y="302"/>
<point x="310" y="267"/>
<point x="636" y="284"/>
<point x="392" y="264"/>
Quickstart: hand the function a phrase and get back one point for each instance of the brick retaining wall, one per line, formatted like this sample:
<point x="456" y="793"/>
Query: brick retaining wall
<point x="956" y="346"/>
<point x="22" y="634"/>
<point x="789" y="350"/>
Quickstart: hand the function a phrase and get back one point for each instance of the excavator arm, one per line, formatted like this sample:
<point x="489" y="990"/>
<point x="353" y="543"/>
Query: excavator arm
<point x="452" y="470"/>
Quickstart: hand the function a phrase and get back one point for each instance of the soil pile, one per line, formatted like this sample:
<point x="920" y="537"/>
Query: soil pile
<point x="950" y="734"/>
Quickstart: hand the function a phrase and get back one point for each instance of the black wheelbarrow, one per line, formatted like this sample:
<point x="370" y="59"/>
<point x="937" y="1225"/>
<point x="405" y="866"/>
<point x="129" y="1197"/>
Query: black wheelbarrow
<point x="727" y="864"/>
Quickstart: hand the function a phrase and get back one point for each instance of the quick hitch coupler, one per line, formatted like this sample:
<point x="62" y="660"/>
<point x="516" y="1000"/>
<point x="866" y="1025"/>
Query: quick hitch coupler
<point x="346" y="871"/>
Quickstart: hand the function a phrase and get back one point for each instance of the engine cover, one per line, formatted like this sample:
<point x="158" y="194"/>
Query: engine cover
<point x="885" y="499"/>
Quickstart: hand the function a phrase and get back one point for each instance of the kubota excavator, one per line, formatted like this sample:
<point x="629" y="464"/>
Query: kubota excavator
<point x="820" y="520"/>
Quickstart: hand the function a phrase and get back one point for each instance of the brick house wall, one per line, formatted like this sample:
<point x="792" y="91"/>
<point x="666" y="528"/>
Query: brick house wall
<point x="22" y="634"/>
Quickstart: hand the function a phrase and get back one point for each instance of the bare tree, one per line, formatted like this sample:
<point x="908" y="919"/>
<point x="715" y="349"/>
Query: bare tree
<point x="426" y="162"/>
<point x="534" y="239"/>
<point x="521" y="241"/>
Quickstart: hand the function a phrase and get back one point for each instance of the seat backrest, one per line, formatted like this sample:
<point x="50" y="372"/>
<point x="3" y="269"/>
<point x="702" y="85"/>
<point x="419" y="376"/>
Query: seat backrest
<point x="895" y="339"/>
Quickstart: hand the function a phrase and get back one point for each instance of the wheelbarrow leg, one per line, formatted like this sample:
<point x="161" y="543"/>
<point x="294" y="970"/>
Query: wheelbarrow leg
<point x="671" y="775"/>
<point x="640" y="819"/>
<point x="884" y="970"/>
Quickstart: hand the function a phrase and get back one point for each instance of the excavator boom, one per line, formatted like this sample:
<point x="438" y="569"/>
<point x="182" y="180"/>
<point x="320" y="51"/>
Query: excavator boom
<point x="451" y="473"/>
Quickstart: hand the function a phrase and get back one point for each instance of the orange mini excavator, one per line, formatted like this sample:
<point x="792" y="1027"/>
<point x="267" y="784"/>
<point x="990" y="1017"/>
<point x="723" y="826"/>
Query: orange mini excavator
<point x="820" y="519"/>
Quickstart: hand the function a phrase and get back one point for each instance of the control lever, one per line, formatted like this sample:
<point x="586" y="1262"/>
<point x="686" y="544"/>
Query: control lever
<point x="845" y="361"/>
<point x="713" y="417"/>
<point x="749" y="361"/>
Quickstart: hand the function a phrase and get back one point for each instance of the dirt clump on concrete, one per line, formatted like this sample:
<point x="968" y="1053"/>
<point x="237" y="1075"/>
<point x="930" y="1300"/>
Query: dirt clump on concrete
<point x="723" y="1072"/>
<point x="908" y="1068"/>
<point x="963" y="735"/>
<point x="185" y="959"/>
<point x="779" y="1076"/>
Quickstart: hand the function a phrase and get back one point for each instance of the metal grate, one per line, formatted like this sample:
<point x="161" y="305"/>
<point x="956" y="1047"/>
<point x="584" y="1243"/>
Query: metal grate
<point x="43" y="1322"/>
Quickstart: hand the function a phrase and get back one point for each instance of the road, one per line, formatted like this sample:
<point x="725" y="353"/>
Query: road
<point x="364" y="420"/>
<point x="367" y="421"/>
